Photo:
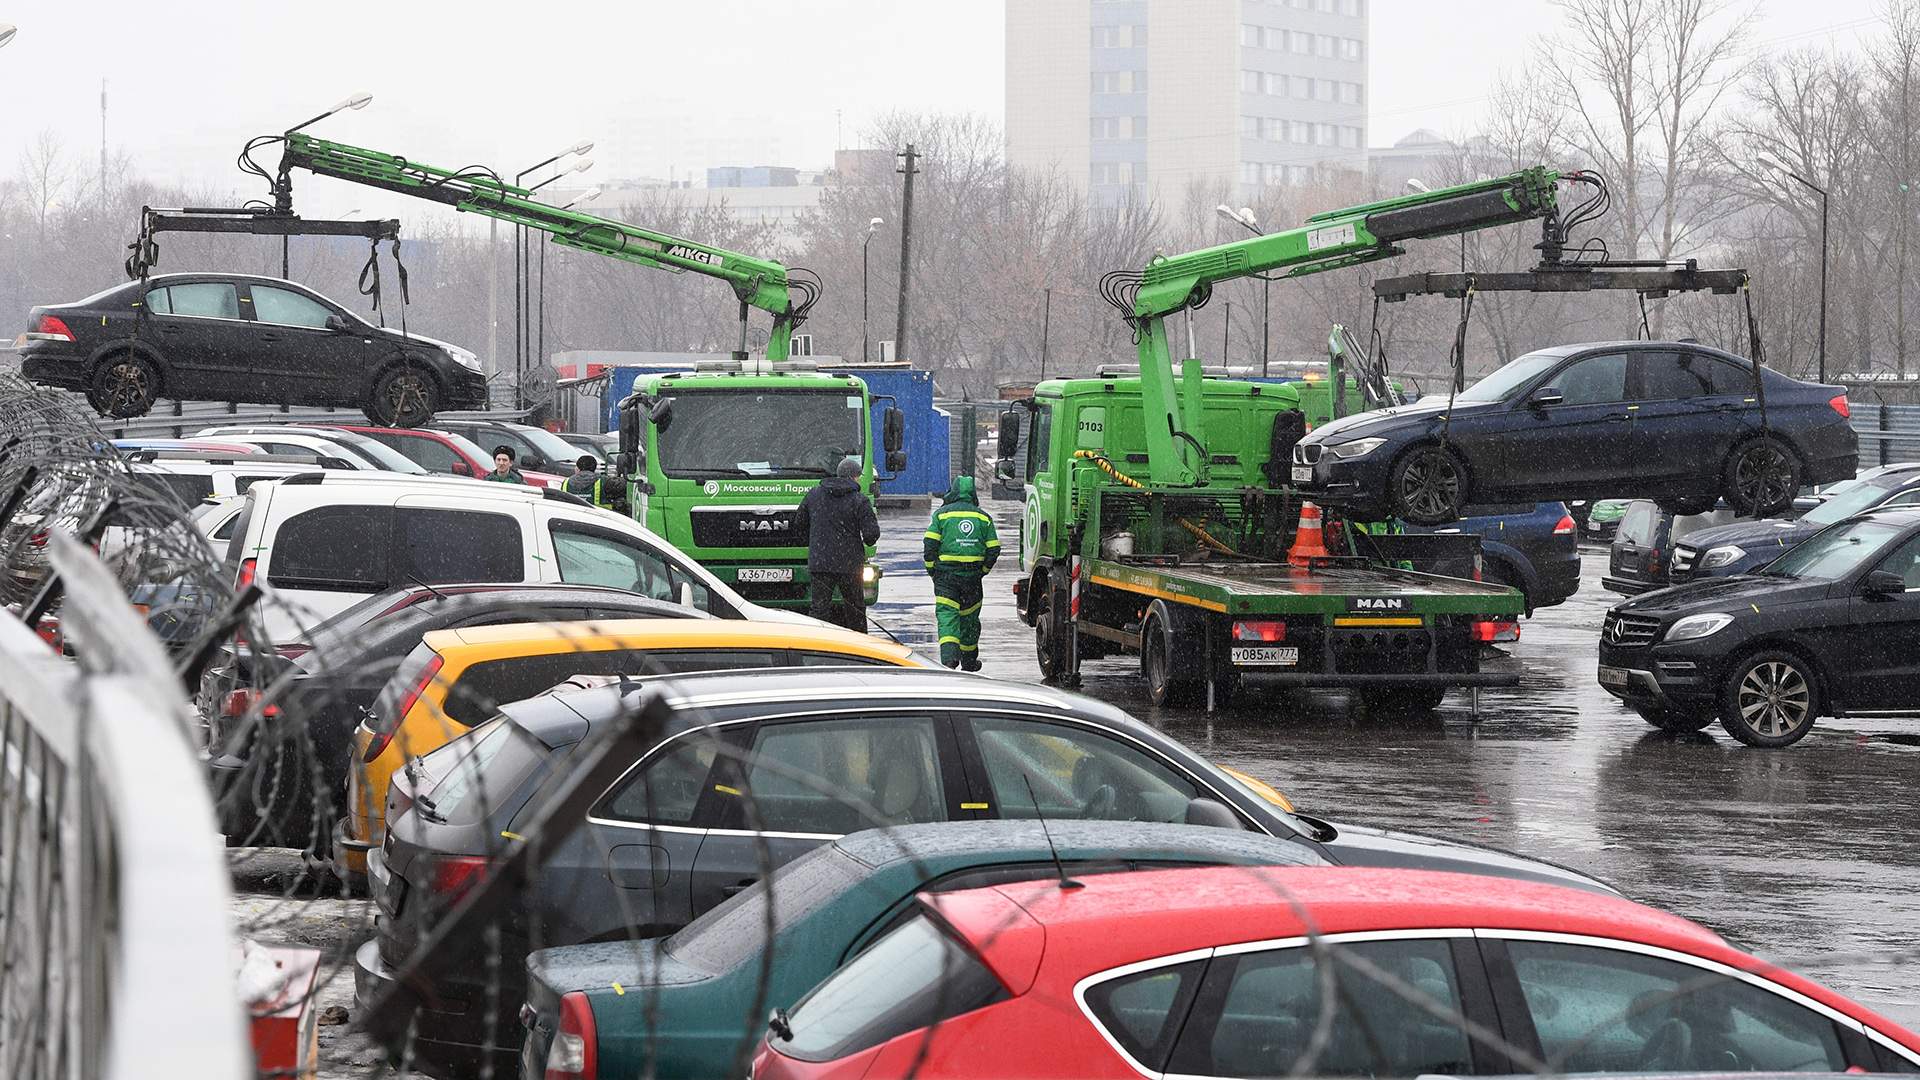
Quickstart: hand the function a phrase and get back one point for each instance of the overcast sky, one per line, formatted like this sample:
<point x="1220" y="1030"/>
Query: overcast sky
<point x="663" y="86"/>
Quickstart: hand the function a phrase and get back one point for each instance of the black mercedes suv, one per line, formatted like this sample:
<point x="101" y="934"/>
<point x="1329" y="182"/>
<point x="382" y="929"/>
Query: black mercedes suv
<point x="1830" y="628"/>
<point x="235" y="337"/>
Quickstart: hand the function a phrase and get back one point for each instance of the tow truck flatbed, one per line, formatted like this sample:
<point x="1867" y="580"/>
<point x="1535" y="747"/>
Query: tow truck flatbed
<point x="1328" y="587"/>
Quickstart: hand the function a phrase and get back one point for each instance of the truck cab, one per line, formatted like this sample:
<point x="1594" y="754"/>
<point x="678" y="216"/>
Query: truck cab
<point x="719" y="458"/>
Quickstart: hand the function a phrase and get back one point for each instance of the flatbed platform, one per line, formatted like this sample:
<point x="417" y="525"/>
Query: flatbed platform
<point x="1330" y="587"/>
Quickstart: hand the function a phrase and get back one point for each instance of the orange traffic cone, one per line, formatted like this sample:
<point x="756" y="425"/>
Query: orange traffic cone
<point x="1309" y="540"/>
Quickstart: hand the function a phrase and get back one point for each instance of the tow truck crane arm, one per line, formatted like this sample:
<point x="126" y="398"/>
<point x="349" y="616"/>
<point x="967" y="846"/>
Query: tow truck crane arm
<point x="784" y="293"/>
<point x="1329" y="241"/>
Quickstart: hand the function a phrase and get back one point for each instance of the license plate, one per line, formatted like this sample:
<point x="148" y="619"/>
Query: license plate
<point x="1613" y="676"/>
<point x="766" y="573"/>
<point x="1303" y="474"/>
<point x="1282" y="655"/>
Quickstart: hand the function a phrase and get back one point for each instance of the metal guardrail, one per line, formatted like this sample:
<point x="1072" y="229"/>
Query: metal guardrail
<point x="113" y="887"/>
<point x="1888" y="433"/>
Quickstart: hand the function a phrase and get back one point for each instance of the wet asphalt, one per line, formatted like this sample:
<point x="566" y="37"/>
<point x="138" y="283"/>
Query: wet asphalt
<point x="1805" y="856"/>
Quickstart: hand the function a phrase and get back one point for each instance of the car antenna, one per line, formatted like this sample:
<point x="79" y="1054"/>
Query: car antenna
<point x="436" y="592"/>
<point x="1065" y="881"/>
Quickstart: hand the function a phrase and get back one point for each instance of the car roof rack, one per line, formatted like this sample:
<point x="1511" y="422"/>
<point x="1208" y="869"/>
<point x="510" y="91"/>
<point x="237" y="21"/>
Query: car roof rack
<point x="221" y="457"/>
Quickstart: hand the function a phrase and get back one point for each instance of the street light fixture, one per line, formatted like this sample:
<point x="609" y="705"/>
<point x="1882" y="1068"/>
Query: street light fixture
<point x="1769" y="163"/>
<point x="871" y="225"/>
<point x="356" y="101"/>
<point x="588" y="195"/>
<point x="580" y="166"/>
<point x="7" y="30"/>
<point x="1245" y="219"/>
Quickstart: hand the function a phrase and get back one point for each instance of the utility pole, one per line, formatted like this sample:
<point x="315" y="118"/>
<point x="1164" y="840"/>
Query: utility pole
<point x="493" y="296"/>
<point x="1046" y="330"/>
<point x="906" y="251"/>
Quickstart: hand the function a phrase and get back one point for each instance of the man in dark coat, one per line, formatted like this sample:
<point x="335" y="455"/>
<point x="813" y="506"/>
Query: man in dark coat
<point x="591" y="484"/>
<point x="840" y="524"/>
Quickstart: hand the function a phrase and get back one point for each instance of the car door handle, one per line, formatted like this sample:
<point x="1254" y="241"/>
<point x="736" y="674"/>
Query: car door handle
<point x="269" y="337"/>
<point x="737" y="887"/>
<point x="1618" y="418"/>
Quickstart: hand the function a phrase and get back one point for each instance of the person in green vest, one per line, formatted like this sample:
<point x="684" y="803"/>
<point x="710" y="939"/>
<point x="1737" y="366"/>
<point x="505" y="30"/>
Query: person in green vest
<point x="503" y="468"/>
<point x="591" y="484"/>
<point x="960" y="549"/>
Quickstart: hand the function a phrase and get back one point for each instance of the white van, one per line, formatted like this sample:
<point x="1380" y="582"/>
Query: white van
<point x="322" y="541"/>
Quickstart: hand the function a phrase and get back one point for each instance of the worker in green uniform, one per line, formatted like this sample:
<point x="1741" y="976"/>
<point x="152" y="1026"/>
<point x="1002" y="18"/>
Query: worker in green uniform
<point x="960" y="549"/>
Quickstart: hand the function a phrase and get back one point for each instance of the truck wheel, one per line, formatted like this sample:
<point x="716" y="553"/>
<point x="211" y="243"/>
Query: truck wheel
<point x="1770" y="700"/>
<point x="1429" y="486"/>
<point x="1164" y="688"/>
<point x="1408" y="701"/>
<point x="1673" y="719"/>
<point x="124" y="386"/>
<point x="1761" y="477"/>
<point x="1051" y="647"/>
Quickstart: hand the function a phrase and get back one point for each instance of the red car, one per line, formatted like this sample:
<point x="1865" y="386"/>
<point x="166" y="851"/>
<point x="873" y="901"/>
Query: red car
<point x="442" y="451"/>
<point x="1210" y="973"/>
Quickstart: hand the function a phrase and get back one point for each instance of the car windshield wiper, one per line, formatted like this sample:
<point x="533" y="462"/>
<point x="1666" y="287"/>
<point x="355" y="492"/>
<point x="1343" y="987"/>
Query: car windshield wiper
<point x="779" y="1024"/>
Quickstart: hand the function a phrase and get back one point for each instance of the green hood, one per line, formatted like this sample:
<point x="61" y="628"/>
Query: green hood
<point x="961" y="491"/>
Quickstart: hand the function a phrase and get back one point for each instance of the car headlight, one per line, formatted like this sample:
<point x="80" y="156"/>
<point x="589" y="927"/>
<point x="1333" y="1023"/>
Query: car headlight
<point x="869" y="574"/>
<point x="1698" y="626"/>
<point x="1354" y="449"/>
<point x="1722" y="555"/>
<point x="464" y="358"/>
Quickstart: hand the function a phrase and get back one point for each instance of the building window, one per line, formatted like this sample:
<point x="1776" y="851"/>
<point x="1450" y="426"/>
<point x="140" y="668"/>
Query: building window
<point x="1249" y="172"/>
<point x="1303" y="88"/>
<point x="1119" y="37"/>
<point x="1253" y="37"/>
<point x="1250" y="127"/>
<point x="1119" y="82"/>
<point x="1352" y="49"/>
<point x="1299" y="42"/>
<point x="1300" y="132"/>
<point x="1116" y="172"/>
<point x="1323" y="5"/>
<point x="1323" y="90"/>
<point x="1352" y="94"/>
<point x="1250" y="82"/>
<point x="1353" y="8"/>
<point x="1327" y="135"/>
<point x="1323" y="46"/>
<point x="1350" y="138"/>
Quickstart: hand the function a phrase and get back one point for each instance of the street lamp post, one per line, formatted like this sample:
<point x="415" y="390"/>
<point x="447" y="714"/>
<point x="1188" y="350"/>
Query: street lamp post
<point x="1245" y="219"/>
<point x="871" y="225"/>
<point x="1822" y="192"/>
<point x="521" y="297"/>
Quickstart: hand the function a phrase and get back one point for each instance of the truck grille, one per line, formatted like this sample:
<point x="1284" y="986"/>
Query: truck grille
<point x="747" y="526"/>
<point x="1685" y="560"/>
<point x="1629" y="631"/>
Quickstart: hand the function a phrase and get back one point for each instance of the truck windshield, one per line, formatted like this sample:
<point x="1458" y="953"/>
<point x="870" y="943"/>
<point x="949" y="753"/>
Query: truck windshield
<point x="1836" y="552"/>
<point x="761" y="432"/>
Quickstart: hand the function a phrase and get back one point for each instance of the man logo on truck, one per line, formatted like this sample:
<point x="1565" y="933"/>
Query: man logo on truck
<point x="767" y="525"/>
<point x="1379" y="603"/>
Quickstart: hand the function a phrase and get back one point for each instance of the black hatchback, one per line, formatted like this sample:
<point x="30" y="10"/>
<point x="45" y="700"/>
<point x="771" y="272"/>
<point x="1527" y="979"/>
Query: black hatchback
<point x="235" y="337"/>
<point x="1830" y="628"/>
<point x="824" y="753"/>
<point x="1672" y="421"/>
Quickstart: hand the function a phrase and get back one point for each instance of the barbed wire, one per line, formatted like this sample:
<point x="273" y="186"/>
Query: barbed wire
<point x="282" y="773"/>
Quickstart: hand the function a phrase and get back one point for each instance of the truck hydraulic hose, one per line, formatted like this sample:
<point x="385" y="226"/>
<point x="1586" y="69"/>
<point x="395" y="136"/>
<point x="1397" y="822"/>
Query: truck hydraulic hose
<point x="1198" y="532"/>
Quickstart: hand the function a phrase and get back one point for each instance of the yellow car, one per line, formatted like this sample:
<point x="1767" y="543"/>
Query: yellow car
<point x="456" y="679"/>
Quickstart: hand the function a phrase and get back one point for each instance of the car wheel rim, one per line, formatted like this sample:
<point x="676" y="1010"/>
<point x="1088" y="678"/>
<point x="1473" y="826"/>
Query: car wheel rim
<point x="1774" y="699"/>
<point x="126" y="385"/>
<point x="406" y="395"/>
<point x="1764" y="476"/>
<point x="1430" y="485"/>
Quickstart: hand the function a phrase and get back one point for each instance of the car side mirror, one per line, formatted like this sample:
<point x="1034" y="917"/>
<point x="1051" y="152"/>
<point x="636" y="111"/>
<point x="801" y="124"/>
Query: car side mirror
<point x="1545" y="396"/>
<point x="1003" y="471"/>
<point x="896" y="461"/>
<point x="1009" y="440"/>
<point x="460" y="468"/>
<point x="1883" y="583"/>
<point x="893" y="433"/>
<point x="686" y="594"/>
<point x="629" y="425"/>
<point x="630" y="463"/>
<point x="337" y="324"/>
<point x="662" y="413"/>
<point x="1211" y="813"/>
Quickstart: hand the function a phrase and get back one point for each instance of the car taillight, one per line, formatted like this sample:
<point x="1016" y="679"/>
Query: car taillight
<point x="1565" y="526"/>
<point x="383" y="725"/>
<point x="453" y="875"/>
<point x="1840" y="406"/>
<point x="291" y="651"/>
<point x="575" y="1053"/>
<point x="238" y="702"/>
<point x="52" y="329"/>
<point x="1653" y="561"/>
<point x="240" y="581"/>
<point x="38" y="541"/>
<point x="1260" y="630"/>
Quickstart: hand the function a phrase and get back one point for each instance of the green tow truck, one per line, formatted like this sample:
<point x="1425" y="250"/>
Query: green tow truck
<point x="715" y="460"/>
<point x="1159" y="518"/>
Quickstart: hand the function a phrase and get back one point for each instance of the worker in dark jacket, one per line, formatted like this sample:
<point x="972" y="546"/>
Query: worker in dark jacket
<point x="961" y="547"/>
<point x="504" y="471"/>
<point x="591" y="484"/>
<point x="839" y="524"/>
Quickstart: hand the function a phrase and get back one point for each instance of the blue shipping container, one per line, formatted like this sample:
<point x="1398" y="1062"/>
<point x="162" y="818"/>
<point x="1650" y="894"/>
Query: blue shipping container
<point x="929" y="430"/>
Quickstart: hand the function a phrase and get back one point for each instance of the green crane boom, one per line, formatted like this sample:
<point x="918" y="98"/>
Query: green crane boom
<point x="756" y="282"/>
<point x="1176" y="454"/>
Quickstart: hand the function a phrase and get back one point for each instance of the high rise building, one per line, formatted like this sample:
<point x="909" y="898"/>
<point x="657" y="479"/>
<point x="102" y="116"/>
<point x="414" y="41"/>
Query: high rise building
<point x="1151" y="98"/>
